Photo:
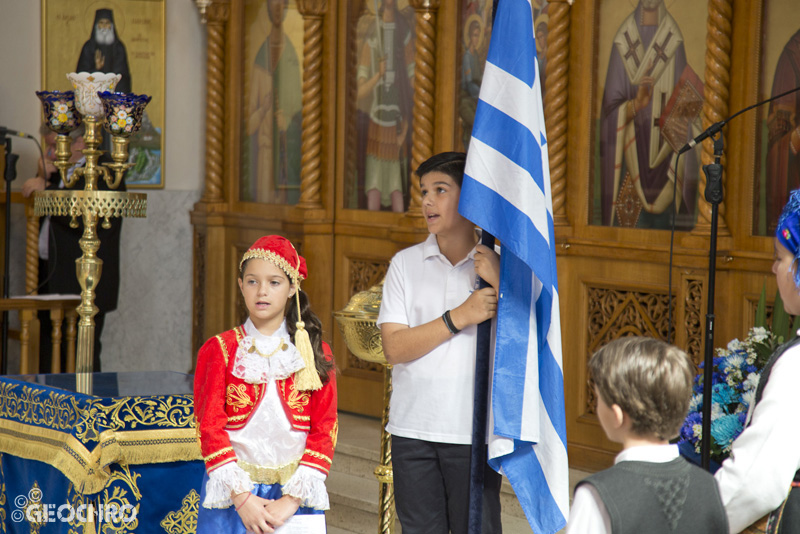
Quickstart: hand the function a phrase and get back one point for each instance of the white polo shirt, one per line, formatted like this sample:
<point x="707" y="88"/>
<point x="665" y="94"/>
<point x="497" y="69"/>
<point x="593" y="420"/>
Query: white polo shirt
<point x="432" y="395"/>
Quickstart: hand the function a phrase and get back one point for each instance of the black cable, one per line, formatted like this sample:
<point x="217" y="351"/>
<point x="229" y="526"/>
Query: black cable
<point x="672" y="248"/>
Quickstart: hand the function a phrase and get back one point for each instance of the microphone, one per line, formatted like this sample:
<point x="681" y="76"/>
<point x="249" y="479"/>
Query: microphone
<point x="708" y="132"/>
<point x="715" y="128"/>
<point x="8" y="131"/>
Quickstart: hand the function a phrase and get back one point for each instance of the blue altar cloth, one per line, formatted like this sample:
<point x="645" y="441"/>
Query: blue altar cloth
<point x="125" y="457"/>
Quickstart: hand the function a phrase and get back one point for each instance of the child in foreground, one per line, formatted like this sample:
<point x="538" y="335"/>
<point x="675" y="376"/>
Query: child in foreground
<point x="265" y="402"/>
<point x="643" y="387"/>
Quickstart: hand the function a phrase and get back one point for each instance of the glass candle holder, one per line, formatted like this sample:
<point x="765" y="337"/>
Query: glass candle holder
<point x="123" y="112"/>
<point x="59" y="110"/>
<point x="87" y="85"/>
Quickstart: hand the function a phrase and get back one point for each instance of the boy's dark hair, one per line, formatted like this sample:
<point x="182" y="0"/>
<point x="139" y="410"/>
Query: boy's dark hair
<point x="450" y="163"/>
<point x="649" y="379"/>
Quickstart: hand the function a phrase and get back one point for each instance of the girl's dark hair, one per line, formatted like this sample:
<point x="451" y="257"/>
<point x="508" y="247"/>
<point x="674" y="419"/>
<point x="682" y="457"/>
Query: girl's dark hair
<point x="314" y="329"/>
<point x="450" y="163"/>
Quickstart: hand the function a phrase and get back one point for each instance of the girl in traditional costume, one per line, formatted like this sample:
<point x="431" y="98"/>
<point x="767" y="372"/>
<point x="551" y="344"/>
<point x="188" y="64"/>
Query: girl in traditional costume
<point x="762" y="475"/>
<point x="265" y="402"/>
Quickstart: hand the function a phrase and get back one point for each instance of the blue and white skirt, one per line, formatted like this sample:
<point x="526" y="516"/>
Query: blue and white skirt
<point x="227" y="520"/>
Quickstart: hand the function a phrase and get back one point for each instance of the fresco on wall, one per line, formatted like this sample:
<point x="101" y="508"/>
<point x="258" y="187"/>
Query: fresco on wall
<point x="382" y="69"/>
<point x="476" y="30"/>
<point x="779" y="128"/>
<point x="273" y="102"/>
<point x="650" y="107"/>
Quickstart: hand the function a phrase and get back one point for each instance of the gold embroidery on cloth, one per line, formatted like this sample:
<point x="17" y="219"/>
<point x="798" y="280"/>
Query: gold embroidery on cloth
<point x="302" y="417"/>
<point x="268" y="255"/>
<point x="32" y="508"/>
<point x="222" y="346"/>
<point x="238" y="397"/>
<point x="127" y="522"/>
<point x="81" y="439"/>
<point x="240" y="333"/>
<point x="220" y="452"/>
<point x="319" y="455"/>
<point x="269" y="475"/>
<point x="298" y="399"/>
<point x="315" y="466"/>
<point x="183" y="521"/>
<point x="2" y="497"/>
<point x="335" y="432"/>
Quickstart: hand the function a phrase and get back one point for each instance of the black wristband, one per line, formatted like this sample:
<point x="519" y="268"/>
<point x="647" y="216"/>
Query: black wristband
<point x="448" y="322"/>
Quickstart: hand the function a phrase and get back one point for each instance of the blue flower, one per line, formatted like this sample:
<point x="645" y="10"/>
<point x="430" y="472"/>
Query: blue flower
<point x="723" y="394"/>
<point x="725" y="429"/>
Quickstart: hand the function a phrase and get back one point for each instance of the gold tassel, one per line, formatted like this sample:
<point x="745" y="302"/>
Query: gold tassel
<point x="307" y="378"/>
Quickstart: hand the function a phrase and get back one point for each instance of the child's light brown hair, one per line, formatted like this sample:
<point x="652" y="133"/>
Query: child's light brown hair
<point x="649" y="379"/>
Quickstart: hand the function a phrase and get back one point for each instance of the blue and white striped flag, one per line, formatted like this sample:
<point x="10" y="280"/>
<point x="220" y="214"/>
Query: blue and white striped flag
<point x="506" y="191"/>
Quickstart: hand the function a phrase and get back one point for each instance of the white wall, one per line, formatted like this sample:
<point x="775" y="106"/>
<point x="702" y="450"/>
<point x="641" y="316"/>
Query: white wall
<point x="152" y="328"/>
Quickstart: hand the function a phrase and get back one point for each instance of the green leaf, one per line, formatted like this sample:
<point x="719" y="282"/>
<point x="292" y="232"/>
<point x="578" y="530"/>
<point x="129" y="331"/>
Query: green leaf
<point x="780" y="319"/>
<point x="761" y="309"/>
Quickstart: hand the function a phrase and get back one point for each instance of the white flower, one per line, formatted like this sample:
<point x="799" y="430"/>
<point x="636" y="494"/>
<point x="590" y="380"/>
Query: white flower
<point x="748" y="397"/>
<point x="697" y="430"/>
<point x="751" y="382"/>
<point x="696" y="402"/>
<point x="758" y="334"/>
<point x="734" y="345"/>
<point x="734" y="361"/>
<point x="716" y="411"/>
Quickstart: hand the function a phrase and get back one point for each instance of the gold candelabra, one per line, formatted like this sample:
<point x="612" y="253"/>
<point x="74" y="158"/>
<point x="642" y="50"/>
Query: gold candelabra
<point x="357" y="322"/>
<point x="93" y="104"/>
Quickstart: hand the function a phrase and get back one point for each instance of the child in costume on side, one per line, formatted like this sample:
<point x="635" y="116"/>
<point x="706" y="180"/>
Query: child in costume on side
<point x="265" y="402"/>
<point x="762" y="474"/>
<point x="643" y="387"/>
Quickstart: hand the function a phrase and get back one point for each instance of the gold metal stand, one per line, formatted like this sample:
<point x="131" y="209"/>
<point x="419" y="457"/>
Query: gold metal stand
<point x="91" y="205"/>
<point x="363" y="337"/>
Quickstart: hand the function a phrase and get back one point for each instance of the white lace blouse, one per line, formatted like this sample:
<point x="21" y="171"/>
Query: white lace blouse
<point x="267" y="444"/>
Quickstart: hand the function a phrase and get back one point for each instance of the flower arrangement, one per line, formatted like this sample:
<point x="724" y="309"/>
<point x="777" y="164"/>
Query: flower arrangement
<point x="734" y="379"/>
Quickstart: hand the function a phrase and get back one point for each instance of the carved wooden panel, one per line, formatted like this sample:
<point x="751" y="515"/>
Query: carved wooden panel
<point x="694" y="318"/>
<point x="363" y="275"/>
<point x="617" y="312"/>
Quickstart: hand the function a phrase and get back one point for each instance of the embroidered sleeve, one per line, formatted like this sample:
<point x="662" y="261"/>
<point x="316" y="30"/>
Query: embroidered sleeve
<point x="209" y="403"/>
<point x="222" y="482"/>
<point x="324" y="425"/>
<point x="308" y="485"/>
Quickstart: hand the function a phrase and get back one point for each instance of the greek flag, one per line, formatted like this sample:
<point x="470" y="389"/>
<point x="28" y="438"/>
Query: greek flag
<point x="506" y="191"/>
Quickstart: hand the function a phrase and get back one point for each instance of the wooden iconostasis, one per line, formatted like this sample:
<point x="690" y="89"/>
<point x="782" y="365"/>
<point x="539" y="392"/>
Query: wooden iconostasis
<point x="318" y="112"/>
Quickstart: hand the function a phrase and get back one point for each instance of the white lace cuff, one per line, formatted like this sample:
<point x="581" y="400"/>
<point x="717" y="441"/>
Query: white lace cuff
<point x="224" y="480"/>
<point x="308" y="485"/>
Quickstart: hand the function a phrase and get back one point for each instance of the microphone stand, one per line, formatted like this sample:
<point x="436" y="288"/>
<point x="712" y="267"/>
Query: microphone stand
<point x="713" y="195"/>
<point x="10" y="174"/>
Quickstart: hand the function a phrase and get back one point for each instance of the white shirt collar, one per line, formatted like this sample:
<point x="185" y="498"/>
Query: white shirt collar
<point x="430" y="249"/>
<point x="251" y="330"/>
<point x="648" y="453"/>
